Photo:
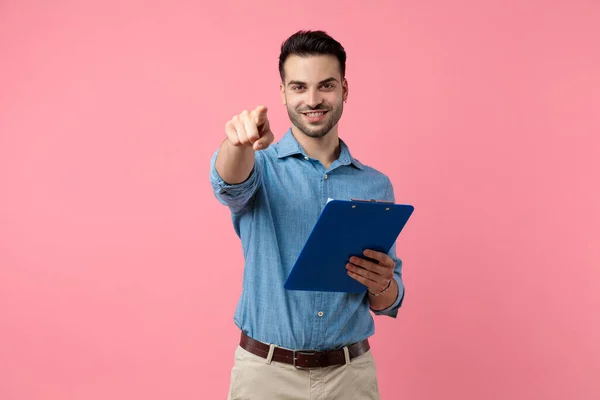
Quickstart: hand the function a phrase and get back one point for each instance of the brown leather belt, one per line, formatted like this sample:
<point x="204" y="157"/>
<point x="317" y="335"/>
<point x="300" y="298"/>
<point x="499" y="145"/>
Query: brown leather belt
<point x="304" y="358"/>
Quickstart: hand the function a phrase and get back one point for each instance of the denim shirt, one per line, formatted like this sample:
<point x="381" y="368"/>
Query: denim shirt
<point x="273" y="213"/>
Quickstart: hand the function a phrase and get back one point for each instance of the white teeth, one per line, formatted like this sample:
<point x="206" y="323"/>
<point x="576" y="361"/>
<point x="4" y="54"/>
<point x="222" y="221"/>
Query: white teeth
<point x="315" y="114"/>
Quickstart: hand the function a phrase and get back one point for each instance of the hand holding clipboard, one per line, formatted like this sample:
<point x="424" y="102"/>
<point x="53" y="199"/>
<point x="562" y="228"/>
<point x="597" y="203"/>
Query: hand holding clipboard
<point x="345" y="229"/>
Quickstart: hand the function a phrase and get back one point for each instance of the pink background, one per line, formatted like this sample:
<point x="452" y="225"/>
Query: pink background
<point x="119" y="271"/>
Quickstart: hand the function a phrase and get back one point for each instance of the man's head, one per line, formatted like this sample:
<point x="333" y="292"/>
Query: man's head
<point x="312" y="66"/>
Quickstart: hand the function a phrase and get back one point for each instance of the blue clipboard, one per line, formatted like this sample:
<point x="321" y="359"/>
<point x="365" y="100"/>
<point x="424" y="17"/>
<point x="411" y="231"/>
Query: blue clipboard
<point x="345" y="229"/>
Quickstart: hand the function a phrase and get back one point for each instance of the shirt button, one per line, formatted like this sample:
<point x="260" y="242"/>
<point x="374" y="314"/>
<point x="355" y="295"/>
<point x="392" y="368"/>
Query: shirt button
<point x="306" y="158"/>
<point x="320" y="313"/>
<point x="325" y="176"/>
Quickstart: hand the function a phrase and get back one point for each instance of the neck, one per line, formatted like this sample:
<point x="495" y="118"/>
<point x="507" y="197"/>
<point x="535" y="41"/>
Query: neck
<point x="326" y="149"/>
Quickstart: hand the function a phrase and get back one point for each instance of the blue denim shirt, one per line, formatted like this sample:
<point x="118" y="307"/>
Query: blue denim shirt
<point x="273" y="213"/>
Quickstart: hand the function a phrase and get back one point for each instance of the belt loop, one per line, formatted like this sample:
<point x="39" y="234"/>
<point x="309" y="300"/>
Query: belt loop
<point x="270" y="355"/>
<point x="347" y="354"/>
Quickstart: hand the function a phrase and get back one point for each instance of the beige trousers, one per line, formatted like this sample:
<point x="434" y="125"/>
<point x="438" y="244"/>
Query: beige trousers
<point x="253" y="377"/>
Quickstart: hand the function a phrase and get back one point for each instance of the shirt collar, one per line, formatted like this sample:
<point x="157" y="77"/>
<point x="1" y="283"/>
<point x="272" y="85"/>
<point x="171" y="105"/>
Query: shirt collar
<point x="289" y="146"/>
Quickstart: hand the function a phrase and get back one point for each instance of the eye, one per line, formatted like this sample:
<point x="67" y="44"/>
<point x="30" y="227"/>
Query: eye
<point x="297" y="87"/>
<point x="328" y="86"/>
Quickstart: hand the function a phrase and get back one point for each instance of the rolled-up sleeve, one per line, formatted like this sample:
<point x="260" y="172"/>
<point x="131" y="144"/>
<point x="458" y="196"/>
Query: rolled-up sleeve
<point x="235" y="196"/>
<point x="392" y="310"/>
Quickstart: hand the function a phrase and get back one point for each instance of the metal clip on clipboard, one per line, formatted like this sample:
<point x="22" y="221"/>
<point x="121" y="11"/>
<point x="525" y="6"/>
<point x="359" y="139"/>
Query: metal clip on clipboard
<point x="372" y="201"/>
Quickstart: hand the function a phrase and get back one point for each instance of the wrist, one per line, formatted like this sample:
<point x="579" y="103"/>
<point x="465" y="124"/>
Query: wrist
<point x="385" y="300"/>
<point x="383" y="291"/>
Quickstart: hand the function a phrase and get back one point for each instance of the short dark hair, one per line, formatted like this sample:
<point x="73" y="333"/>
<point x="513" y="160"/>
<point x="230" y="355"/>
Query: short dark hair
<point x="311" y="43"/>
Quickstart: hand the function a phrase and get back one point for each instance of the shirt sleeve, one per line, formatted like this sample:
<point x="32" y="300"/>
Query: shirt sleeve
<point x="236" y="196"/>
<point x="392" y="310"/>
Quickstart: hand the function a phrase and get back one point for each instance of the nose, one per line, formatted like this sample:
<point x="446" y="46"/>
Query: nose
<point x="314" y="98"/>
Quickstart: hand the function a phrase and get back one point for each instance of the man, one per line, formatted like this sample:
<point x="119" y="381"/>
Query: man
<point x="297" y="344"/>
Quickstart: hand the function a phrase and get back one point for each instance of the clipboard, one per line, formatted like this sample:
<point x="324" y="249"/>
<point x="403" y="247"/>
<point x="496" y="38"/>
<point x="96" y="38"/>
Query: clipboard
<point x="344" y="229"/>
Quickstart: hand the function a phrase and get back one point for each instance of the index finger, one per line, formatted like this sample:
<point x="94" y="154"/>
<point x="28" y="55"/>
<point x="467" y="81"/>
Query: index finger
<point x="383" y="258"/>
<point x="260" y="114"/>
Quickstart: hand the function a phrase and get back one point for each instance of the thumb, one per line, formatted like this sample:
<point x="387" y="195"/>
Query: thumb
<point x="266" y="138"/>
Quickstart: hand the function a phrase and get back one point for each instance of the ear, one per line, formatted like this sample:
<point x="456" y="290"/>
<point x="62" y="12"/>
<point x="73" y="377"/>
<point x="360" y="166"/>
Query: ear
<point x="282" y="93"/>
<point x="345" y="90"/>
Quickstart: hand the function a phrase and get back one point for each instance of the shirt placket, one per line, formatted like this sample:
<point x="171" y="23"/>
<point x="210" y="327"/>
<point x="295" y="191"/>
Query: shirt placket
<point x="321" y="313"/>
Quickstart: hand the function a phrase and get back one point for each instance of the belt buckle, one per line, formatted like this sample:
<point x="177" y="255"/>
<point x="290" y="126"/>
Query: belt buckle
<point x="305" y="352"/>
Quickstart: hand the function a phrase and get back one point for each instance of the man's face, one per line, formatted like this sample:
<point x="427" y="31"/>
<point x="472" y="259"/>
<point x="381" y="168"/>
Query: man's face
<point x="313" y="92"/>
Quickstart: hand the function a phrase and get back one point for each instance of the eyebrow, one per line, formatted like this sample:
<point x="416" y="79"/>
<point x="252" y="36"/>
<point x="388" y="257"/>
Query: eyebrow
<point x="332" y="79"/>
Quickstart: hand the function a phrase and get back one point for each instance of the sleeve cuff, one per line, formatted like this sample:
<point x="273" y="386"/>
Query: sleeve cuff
<point x="235" y="196"/>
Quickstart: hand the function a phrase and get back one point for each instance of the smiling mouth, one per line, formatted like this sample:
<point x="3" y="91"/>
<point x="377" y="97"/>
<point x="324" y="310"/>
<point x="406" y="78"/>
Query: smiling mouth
<point x="315" y="114"/>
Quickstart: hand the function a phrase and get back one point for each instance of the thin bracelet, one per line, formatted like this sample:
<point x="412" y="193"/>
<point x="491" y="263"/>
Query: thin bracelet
<point x="383" y="291"/>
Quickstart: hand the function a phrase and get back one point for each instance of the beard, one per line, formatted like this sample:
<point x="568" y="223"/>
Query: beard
<point x="320" y="129"/>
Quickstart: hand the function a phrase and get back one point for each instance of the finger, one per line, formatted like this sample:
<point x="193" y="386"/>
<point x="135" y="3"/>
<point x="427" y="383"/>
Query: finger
<point x="383" y="258"/>
<point x="240" y="130"/>
<point x="266" y="138"/>
<point x="241" y="133"/>
<point x="260" y="115"/>
<point x="368" y="274"/>
<point x="367" y="282"/>
<point x="372" y="285"/>
<point x="232" y="133"/>
<point x="379" y="269"/>
<point x="250" y="127"/>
